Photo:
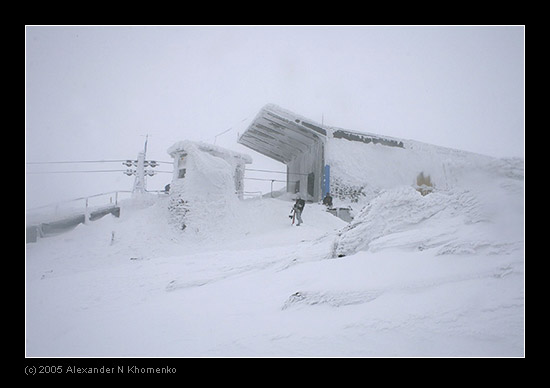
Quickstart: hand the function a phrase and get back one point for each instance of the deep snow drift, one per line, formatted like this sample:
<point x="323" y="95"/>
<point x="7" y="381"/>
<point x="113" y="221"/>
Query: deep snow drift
<point x="412" y="275"/>
<point x="483" y="213"/>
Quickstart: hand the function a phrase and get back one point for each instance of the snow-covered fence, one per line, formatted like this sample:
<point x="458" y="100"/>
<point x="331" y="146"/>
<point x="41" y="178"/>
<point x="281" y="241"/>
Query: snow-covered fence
<point x="62" y="216"/>
<point x="88" y="203"/>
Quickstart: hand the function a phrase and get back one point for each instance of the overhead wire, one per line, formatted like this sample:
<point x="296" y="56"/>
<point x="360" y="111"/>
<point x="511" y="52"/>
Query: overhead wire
<point x="78" y="171"/>
<point x="89" y="161"/>
<point x="265" y="179"/>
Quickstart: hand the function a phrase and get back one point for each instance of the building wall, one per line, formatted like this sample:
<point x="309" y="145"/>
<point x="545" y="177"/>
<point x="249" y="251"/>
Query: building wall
<point x="207" y="191"/>
<point x="188" y="154"/>
<point x="360" y="171"/>
<point x="305" y="173"/>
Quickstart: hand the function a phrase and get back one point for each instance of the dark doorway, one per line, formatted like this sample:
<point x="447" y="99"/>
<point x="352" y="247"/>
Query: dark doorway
<point x="310" y="183"/>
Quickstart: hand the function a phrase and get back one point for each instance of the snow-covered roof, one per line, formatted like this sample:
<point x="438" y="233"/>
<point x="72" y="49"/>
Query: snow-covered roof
<point x="181" y="146"/>
<point x="280" y="134"/>
<point x="365" y="137"/>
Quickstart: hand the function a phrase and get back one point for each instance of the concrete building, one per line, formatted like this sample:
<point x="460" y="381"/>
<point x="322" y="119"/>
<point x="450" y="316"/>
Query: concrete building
<point x="349" y="164"/>
<point x="180" y="152"/>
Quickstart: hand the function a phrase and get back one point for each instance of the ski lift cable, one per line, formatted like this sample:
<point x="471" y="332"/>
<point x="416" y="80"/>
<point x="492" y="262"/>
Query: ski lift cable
<point x="264" y="179"/>
<point x="79" y="171"/>
<point x="254" y="169"/>
<point x="79" y="161"/>
<point x="91" y="161"/>
<point x="273" y="171"/>
<point x="71" y="171"/>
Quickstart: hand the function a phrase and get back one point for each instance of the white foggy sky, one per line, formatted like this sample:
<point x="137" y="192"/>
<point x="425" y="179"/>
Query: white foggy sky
<point x="93" y="92"/>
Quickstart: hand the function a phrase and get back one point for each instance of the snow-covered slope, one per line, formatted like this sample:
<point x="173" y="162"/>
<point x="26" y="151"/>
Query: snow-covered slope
<point x="412" y="275"/>
<point x="482" y="214"/>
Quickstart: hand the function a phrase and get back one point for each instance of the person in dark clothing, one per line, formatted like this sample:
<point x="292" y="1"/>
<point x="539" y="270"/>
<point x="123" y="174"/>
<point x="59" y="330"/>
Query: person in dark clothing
<point x="327" y="201"/>
<point x="298" y="209"/>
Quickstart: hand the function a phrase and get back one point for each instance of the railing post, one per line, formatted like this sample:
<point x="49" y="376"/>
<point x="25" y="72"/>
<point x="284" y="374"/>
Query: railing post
<point x="86" y="213"/>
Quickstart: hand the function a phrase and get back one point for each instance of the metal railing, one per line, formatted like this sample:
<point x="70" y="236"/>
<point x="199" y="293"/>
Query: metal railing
<point x="87" y="198"/>
<point x="69" y="207"/>
<point x="253" y="194"/>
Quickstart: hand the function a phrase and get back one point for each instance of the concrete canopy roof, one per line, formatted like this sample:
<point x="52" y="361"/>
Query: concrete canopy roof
<point x="281" y="135"/>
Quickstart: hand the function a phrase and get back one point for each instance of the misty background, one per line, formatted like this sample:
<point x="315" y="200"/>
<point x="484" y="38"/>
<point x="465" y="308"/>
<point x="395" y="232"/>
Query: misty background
<point x="93" y="93"/>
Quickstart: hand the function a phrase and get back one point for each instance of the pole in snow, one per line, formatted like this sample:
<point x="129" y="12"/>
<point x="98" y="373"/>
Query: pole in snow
<point x="139" y="183"/>
<point x="326" y="180"/>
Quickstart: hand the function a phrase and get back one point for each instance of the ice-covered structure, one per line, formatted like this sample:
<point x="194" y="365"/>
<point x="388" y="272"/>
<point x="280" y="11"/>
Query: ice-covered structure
<point x="206" y="181"/>
<point x="351" y="165"/>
